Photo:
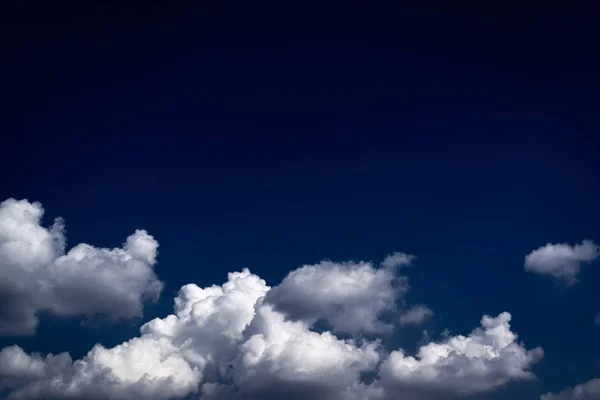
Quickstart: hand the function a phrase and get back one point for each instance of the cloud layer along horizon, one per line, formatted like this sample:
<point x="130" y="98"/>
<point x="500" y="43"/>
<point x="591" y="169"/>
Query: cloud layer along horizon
<point x="242" y="339"/>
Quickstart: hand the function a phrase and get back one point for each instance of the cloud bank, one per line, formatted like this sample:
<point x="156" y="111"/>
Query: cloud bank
<point x="561" y="261"/>
<point x="37" y="275"/>
<point x="242" y="339"/>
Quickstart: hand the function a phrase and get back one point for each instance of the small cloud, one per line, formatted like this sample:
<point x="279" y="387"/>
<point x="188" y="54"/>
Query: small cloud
<point x="398" y="259"/>
<point x="597" y="319"/>
<point x="415" y="315"/>
<point x="561" y="261"/>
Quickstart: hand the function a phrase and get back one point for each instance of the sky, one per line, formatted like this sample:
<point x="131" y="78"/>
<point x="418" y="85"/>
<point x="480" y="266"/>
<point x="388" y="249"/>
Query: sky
<point x="223" y="200"/>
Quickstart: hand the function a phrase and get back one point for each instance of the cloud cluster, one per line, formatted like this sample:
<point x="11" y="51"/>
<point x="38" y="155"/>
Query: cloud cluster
<point x="320" y="334"/>
<point x="233" y="342"/>
<point x="561" y="261"/>
<point x="36" y="274"/>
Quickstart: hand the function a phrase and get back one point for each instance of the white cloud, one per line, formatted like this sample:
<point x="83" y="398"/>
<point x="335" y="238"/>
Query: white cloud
<point x="36" y="274"/>
<point x="398" y="259"/>
<point x="231" y="342"/>
<point x="463" y="365"/>
<point x="289" y="353"/>
<point x="415" y="315"/>
<point x="561" y="261"/>
<point x="349" y="296"/>
<point x="142" y="368"/>
<point x="589" y="390"/>
<point x="18" y="368"/>
<point x="171" y="358"/>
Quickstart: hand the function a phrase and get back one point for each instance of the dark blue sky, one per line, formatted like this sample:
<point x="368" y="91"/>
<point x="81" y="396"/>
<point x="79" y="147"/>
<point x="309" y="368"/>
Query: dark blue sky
<point x="269" y="137"/>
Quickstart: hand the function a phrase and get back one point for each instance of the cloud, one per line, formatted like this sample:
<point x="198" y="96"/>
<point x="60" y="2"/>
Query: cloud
<point x="398" y="259"/>
<point x="349" y="296"/>
<point x="36" y="274"/>
<point x="415" y="315"/>
<point x="232" y="342"/>
<point x="589" y="390"/>
<point x="172" y="356"/>
<point x="143" y="368"/>
<point x="279" y="350"/>
<point x="485" y="359"/>
<point x="561" y="261"/>
<point x="597" y="319"/>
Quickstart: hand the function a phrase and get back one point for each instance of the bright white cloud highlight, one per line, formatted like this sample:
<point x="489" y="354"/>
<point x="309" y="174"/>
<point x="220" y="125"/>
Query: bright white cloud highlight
<point x="589" y="390"/>
<point x="561" y="261"/>
<point x="36" y="274"/>
<point x="287" y="352"/>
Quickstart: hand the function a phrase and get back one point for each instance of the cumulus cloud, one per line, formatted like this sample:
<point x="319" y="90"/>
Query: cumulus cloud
<point x="415" y="315"/>
<point x="37" y="274"/>
<point x="349" y="296"/>
<point x="279" y="350"/>
<point x="485" y="359"/>
<point x="589" y="390"/>
<point x="233" y="342"/>
<point x="561" y="261"/>
<point x="172" y="356"/>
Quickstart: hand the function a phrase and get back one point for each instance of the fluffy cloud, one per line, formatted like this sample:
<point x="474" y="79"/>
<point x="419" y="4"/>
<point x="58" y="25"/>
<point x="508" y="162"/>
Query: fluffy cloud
<point x="18" y="368"/>
<point x="415" y="315"/>
<point x="240" y="340"/>
<point x="36" y="274"/>
<point x="232" y="342"/>
<point x="172" y="356"/>
<point x="350" y="297"/>
<point x="287" y="352"/>
<point x="463" y="365"/>
<point x="561" y="261"/>
<point x="589" y="390"/>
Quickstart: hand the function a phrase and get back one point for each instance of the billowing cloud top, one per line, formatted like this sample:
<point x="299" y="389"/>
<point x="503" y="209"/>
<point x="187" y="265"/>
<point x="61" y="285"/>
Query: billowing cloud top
<point x="36" y="274"/>
<point x="561" y="261"/>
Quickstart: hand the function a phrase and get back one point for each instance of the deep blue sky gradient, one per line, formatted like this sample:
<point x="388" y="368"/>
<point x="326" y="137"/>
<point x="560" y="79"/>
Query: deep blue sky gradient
<point x="274" y="136"/>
